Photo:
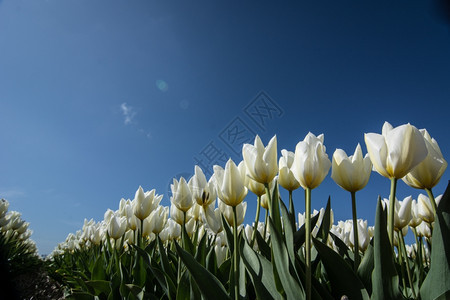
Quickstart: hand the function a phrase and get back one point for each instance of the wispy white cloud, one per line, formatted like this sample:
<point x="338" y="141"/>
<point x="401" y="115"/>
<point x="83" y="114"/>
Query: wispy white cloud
<point x="128" y="113"/>
<point x="11" y="193"/>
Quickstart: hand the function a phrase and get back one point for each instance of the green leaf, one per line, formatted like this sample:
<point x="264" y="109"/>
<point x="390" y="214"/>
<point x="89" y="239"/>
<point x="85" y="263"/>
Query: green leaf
<point x="200" y="254"/>
<point x="263" y="246"/>
<point x="343" y="280"/>
<point x="366" y="267"/>
<point x="284" y="268"/>
<point x="209" y="285"/>
<point x="100" y="286"/>
<point x="261" y="273"/>
<point x="326" y="222"/>
<point x="384" y="276"/>
<point x="183" y="288"/>
<point x="275" y="210"/>
<point x="300" y="235"/>
<point x="80" y="296"/>
<point x="229" y="234"/>
<point x="187" y="243"/>
<point x="437" y="282"/>
<point x="136" y="291"/>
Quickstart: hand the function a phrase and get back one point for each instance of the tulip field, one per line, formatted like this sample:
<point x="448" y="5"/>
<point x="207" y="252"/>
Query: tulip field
<point x="199" y="248"/>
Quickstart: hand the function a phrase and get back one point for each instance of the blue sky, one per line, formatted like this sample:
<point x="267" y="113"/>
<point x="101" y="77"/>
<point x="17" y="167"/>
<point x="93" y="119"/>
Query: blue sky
<point x="99" y="97"/>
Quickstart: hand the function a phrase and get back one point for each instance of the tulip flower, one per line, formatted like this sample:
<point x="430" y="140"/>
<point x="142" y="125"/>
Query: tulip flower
<point x="212" y="217"/>
<point x="145" y="203"/>
<point x="4" y="204"/>
<point x="427" y="173"/>
<point x="425" y="208"/>
<point x="310" y="166"/>
<point x="311" y="163"/>
<point x="227" y="212"/>
<point x="181" y="195"/>
<point x="285" y="176"/>
<point x="394" y="153"/>
<point x="230" y="183"/>
<point x="352" y="174"/>
<point x="261" y="162"/>
<point x="117" y="226"/>
<point x="203" y="192"/>
<point x="158" y="219"/>
<point x="415" y="217"/>
<point x="402" y="212"/>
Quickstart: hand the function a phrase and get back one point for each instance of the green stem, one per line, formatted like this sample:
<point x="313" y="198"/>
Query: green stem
<point x="392" y="211"/>
<point x="291" y="209"/>
<point x="355" y="233"/>
<point x="400" y="261"/>
<point x="255" y="227"/>
<point x="269" y="196"/>
<point x="402" y="243"/>
<point x="308" y="242"/>
<point x="266" y="224"/>
<point x="141" y="240"/>
<point x="235" y="256"/>
<point x="432" y="200"/>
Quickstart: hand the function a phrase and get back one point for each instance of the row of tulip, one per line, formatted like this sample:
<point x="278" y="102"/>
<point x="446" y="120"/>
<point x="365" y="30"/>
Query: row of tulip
<point x="18" y="252"/>
<point x="131" y="234"/>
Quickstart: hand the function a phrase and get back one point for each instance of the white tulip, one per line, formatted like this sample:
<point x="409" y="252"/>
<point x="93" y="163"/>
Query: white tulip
<point x="397" y="150"/>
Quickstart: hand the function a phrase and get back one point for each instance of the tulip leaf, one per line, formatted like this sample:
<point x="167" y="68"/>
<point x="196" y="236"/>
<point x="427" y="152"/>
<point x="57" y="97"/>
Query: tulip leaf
<point x="163" y="278"/>
<point x="263" y="246"/>
<point x="136" y="291"/>
<point x="200" y="254"/>
<point x="187" y="243"/>
<point x="384" y="276"/>
<point x="283" y="266"/>
<point x="261" y="272"/>
<point x="300" y="235"/>
<point x="366" y="267"/>
<point x="99" y="286"/>
<point x="275" y="210"/>
<point x="343" y="280"/>
<point x="98" y="271"/>
<point x="229" y="234"/>
<point x="437" y="282"/>
<point x="342" y="248"/>
<point x="210" y="287"/>
<point x="326" y="222"/>
<point x="183" y="287"/>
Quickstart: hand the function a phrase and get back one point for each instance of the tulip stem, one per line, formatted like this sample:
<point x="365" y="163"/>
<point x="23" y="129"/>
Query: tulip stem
<point x="403" y="249"/>
<point x="266" y="224"/>
<point x="392" y="211"/>
<point x="291" y="209"/>
<point x="355" y="233"/>
<point x="308" y="242"/>
<point x="432" y="200"/>
<point x="235" y="255"/>
<point x="255" y="227"/>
